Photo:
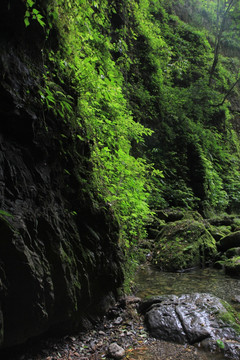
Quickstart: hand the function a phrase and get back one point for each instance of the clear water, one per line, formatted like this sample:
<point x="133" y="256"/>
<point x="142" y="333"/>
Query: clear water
<point x="151" y="282"/>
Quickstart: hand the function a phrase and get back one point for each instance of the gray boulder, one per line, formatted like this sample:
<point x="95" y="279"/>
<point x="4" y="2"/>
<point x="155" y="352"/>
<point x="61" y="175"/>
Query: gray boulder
<point x="201" y="319"/>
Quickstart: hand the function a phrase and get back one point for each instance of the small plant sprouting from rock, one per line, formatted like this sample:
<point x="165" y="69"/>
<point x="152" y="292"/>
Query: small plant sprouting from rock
<point x="220" y="344"/>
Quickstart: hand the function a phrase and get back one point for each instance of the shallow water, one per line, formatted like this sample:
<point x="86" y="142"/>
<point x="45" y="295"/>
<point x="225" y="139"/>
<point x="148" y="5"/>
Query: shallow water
<point x="151" y="282"/>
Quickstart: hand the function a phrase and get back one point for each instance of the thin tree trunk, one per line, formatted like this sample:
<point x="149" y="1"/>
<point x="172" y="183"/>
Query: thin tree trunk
<point x="218" y="39"/>
<point x="228" y="93"/>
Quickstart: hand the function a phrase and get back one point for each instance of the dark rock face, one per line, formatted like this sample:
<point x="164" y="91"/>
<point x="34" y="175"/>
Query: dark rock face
<point x="195" y="318"/>
<point x="59" y="255"/>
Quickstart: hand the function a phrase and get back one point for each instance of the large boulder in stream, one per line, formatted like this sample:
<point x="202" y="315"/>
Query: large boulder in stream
<point x="183" y="244"/>
<point x="201" y="319"/>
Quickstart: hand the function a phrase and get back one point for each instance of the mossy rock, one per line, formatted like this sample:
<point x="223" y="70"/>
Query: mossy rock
<point x="232" y="266"/>
<point x="205" y="321"/>
<point x="236" y="224"/>
<point x="184" y="244"/>
<point x="218" y="232"/>
<point x="229" y="241"/>
<point x="230" y="317"/>
<point x="230" y="253"/>
<point x="172" y="215"/>
<point x="225" y="220"/>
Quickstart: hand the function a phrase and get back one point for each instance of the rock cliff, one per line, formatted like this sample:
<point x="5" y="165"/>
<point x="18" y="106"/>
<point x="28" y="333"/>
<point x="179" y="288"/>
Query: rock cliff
<point x="60" y="263"/>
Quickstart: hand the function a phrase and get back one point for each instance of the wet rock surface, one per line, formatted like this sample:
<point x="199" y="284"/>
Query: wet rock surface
<point x="195" y="319"/>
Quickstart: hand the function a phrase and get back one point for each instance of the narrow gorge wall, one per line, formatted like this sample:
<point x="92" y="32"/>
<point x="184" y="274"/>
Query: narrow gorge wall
<point x="59" y="255"/>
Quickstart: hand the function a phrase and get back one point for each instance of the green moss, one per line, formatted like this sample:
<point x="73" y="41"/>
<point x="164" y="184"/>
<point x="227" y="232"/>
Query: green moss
<point x="230" y="317"/>
<point x="232" y="266"/>
<point x="236" y="224"/>
<point x="184" y="244"/>
<point x="65" y="257"/>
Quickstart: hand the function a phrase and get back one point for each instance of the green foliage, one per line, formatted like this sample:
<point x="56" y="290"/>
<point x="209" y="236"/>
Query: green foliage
<point x="131" y="80"/>
<point x="168" y="88"/>
<point x="220" y="343"/>
<point x="32" y="13"/>
<point x="5" y="213"/>
<point x="55" y="98"/>
<point x="101" y="118"/>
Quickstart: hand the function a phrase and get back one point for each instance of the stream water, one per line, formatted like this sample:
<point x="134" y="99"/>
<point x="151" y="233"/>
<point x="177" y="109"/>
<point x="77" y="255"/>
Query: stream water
<point x="151" y="282"/>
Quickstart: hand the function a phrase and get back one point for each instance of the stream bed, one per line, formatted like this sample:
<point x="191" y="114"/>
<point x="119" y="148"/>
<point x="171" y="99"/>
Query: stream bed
<point x="151" y="282"/>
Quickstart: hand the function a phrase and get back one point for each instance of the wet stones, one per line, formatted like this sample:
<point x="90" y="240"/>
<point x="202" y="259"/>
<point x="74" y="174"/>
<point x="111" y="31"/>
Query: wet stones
<point x="194" y="319"/>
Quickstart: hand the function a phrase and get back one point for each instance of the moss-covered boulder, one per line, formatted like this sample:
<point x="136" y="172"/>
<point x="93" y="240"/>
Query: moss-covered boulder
<point x="232" y="266"/>
<point x="232" y="252"/>
<point x="230" y="241"/>
<point x="175" y="214"/>
<point x="225" y="220"/>
<point x="182" y="245"/>
<point x="218" y="232"/>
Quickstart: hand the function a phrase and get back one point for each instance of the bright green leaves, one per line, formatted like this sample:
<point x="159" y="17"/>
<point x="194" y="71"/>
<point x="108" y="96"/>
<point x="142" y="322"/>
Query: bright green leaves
<point x="121" y="180"/>
<point x="26" y="18"/>
<point x="56" y="99"/>
<point x="151" y="68"/>
<point x="101" y="112"/>
<point x="32" y="13"/>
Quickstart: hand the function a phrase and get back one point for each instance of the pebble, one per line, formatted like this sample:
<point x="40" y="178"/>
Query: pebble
<point x="118" y="321"/>
<point x="116" y="351"/>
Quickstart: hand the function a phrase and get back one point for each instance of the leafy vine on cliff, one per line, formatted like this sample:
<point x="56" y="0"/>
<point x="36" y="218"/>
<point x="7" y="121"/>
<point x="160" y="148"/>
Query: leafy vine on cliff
<point x="83" y="86"/>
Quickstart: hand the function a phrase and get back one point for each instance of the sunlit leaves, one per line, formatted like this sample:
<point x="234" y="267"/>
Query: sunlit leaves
<point x="118" y="178"/>
<point x="32" y="13"/>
